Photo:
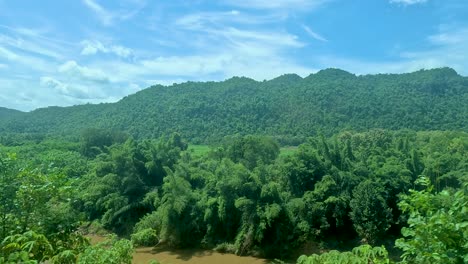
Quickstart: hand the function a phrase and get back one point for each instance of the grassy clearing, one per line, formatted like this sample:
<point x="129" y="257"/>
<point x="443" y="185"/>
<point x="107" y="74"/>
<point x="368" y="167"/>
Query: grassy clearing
<point x="287" y="151"/>
<point x="198" y="150"/>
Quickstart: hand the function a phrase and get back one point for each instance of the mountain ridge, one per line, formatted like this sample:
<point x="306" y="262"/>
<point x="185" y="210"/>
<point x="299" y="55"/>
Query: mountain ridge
<point x="287" y="106"/>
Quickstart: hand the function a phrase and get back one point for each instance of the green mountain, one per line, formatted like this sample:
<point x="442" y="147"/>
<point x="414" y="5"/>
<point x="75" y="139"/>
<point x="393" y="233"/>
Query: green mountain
<point x="288" y="107"/>
<point x="8" y="113"/>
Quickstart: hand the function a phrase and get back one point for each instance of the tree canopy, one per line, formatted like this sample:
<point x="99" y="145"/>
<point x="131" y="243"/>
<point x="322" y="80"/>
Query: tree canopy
<point x="289" y="107"/>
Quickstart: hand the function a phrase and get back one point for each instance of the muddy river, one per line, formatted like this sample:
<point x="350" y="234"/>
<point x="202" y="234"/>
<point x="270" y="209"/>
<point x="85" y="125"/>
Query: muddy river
<point x="144" y="255"/>
<point x="197" y="256"/>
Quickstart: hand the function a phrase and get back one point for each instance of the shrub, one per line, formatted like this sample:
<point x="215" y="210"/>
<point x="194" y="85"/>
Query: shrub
<point x="145" y="237"/>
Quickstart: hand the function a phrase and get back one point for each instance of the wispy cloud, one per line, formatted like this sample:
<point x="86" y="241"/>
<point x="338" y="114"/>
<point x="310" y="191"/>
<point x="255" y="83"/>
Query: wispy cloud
<point x="7" y="54"/>
<point x="314" y="34"/>
<point x="72" y="90"/>
<point x="83" y="73"/>
<point x="270" y="40"/>
<point x="451" y="37"/>
<point x="277" y="4"/>
<point x="213" y="66"/>
<point x="105" y="16"/>
<point x="226" y="45"/>
<point x="201" y="19"/>
<point x="34" y="44"/>
<point x="38" y="34"/>
<point x="93" y="47"/>
<point x="408" y="2"/>
<point x="24" y="60"/>
<point x="223" y="30"/>
<point x="211" y="45"/>
<point x="446" y="48"/>
<point x="196" y="41"/>
<point x="29" y="46"/>
<point x="108" y="17"/>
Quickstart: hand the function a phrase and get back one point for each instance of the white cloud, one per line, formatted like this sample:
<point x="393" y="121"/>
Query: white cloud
<point x="108" y="17"/>
<point x="201" y="46"/>
<point x="185" y="65"/>
<point x="447" y="48"/>
<point x="277" y="4"/>
<point x="267" y="38"/>
<point x="225" y="44"/>
<point x="30" y="45"/>
<point x="222" y="45"/>
<point x="215" y="31"/>
<point x="72" y="69"/>
<point x="75" y="90"/>
<point x="27" y="61"/>
<point x="408" y="2"/>
<point x="314" y="34"/>
<point x="8" y="54"/>
<point x="255" y="57"/>
<point x="34" y="41"/>
<point x="454" y="37"/>
<point x="204" y="19"/>
<point x="93" y="47"/>
<point x="47" y="81"/>
<point x="165" y="82"/>
<point x="17" y="94"/>
<point x="105" y="16"/>
<point x="121" y="51"/>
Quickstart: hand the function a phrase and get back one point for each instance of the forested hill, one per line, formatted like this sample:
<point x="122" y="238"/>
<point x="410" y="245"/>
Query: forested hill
<point x="8" y="113"/>
<point x="288" y="107"/>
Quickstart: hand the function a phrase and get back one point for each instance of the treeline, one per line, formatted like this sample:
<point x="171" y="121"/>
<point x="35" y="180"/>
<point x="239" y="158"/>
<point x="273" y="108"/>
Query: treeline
<point x="241" y="197"/>
<point x="289" y="108"/>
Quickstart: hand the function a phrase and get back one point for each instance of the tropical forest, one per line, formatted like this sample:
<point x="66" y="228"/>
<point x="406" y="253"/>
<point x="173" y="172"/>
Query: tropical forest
<point x="234" y="132"/>
<point x="331" y="168"/>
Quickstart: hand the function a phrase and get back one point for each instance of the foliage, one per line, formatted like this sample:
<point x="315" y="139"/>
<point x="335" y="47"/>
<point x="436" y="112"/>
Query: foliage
<point x="111" y="251"/>
<point x="95" y="140"/>
<point x="241" y="196"/>
<point x="252" y="150"/>
<point x="145" y="237"/>
<point x="225" y="248"/>
<point x="32" y="200"/>
<point x="369" y="212"/>
<point x="362" y="254"/>
<point x="31" y="247"/>
<point x="289" y="108"/>
<point x="344" y="185"/>
<point x="120" y="178"/>
<point x="437" y="229"/>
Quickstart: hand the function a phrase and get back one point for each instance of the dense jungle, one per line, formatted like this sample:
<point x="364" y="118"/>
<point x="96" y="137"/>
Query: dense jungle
<point x="331" y="168"/>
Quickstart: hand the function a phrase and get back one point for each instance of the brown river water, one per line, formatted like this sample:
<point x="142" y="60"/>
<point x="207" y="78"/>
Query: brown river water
<point x="144" y="255"/>
<point x="182" y="256"/>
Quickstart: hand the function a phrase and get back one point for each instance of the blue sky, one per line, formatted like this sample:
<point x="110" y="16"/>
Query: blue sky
<point x="90" y="51"/>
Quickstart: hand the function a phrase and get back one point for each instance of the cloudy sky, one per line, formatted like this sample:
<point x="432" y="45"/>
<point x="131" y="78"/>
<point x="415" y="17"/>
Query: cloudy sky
<point x="74" y="52"/>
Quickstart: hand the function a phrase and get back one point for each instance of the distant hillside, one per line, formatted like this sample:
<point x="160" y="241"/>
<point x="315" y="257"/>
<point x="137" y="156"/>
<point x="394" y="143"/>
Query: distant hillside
<point x="8" y="113"/>
<point x="288" y="107"/>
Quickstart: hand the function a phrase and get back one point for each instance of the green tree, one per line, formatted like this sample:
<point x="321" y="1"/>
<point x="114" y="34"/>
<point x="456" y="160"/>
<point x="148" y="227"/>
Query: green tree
<point x="9" y="184"/>
<point x="252" y="150"/>
<point x="437" y="229"/>
<point x="369" y="211"/>
<point x="362" y="254"/>
<point x="93" y="140"/>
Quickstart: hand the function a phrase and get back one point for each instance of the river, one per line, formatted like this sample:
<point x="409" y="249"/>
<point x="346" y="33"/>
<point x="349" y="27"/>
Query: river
<point x="143" y="255"/>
